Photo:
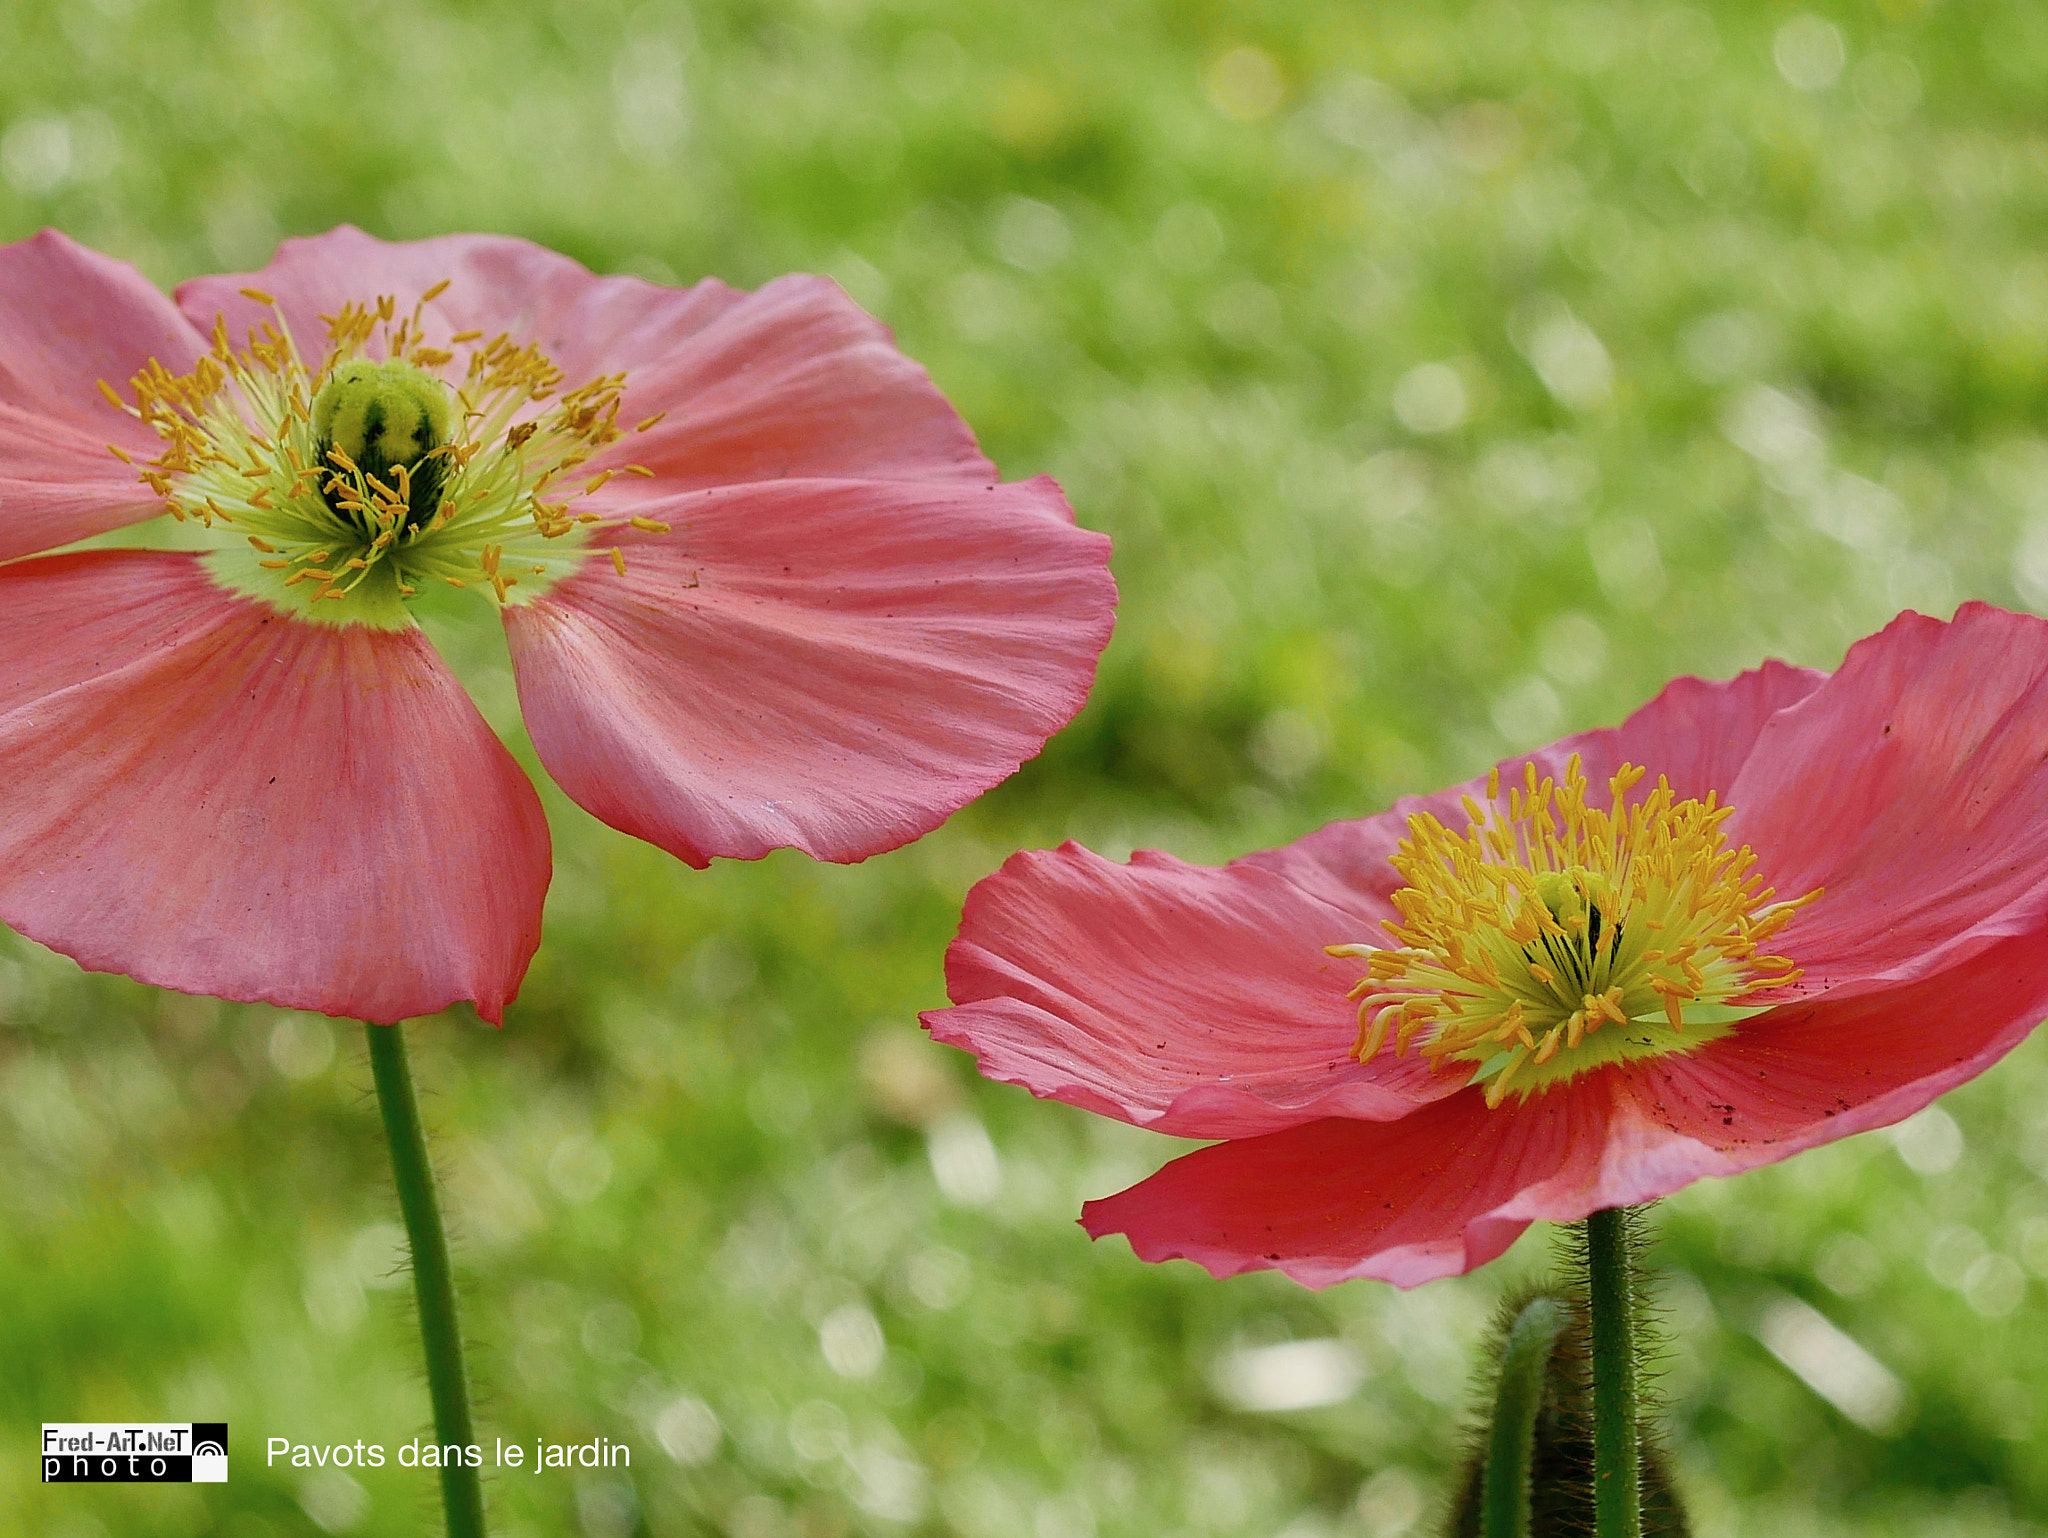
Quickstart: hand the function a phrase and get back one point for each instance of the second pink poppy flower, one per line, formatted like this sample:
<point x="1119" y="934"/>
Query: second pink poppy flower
<point x="1757" y="916"/>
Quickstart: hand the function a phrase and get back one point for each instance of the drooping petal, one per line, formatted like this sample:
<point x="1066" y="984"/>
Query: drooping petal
<point x="1179" y="997"/>
<point x="1913" y="787"/>
<point x="1697" y="733"/>
<point x="206" y="795"/>
<point x="1433" y="1194"/>
<point x="832" y="666"/>
<point x="70" y="318"/>
<point x="792" y="380"/>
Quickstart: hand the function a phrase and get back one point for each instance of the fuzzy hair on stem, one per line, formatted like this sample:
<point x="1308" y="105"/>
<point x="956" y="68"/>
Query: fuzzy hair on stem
<point x="1560" y="1459"/>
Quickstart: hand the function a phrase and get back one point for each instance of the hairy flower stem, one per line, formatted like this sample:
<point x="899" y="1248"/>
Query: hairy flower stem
<point x="1511" y="1440"/>
<point x="1617" y="1498"/>
<point x="462" y="1494"/>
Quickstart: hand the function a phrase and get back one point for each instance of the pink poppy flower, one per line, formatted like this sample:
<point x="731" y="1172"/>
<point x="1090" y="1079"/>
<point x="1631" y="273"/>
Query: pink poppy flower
<point x="1757" y="916"/>
<point x="760" y="587"/>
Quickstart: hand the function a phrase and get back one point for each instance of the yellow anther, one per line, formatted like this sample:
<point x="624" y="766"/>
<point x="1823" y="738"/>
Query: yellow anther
<point x="1529" y="931"/>
<point x="329" y="460"/>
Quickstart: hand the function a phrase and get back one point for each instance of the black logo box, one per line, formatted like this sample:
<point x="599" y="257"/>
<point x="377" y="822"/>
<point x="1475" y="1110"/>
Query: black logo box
<point x="133" y="1468"/>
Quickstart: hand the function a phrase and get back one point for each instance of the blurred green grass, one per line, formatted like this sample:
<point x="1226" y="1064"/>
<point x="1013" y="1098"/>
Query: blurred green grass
<point x="1449" y="377"/>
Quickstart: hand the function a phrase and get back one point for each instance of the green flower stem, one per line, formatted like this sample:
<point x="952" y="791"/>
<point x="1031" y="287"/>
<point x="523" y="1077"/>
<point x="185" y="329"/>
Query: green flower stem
<point x="462" y="1493"/>
<point x="1617" y="1453"/>
<point x="1511" y="1441"/>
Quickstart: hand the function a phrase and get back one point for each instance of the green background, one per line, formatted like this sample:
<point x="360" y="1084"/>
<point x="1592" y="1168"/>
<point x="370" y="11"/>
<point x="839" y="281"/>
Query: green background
<point x="1448" y="376"/>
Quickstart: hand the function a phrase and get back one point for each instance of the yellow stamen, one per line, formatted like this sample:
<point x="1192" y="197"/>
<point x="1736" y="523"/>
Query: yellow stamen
<point x="1523" y="947"/>
<point x="477" y="454"/>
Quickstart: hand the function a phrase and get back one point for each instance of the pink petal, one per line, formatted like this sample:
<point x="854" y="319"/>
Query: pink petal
<point x="1913" y="787"/>
<point x="69" y="318"/>
<point x="792" y="380"/>
<point x="206" y="795"/>
<point x="1178" y="997"/>
<point x="833" y="666"/>
<point x="796" y="380"/>
<point x="1809" y="1073"/>
<point x="495" y="283"/>
<point x="1449" y="1186"/>
<point x="1697" y="733"/>
<point x="1406" y="1201"/>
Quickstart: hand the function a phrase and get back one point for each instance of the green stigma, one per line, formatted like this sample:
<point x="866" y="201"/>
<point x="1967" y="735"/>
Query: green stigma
<point x="386" y="417"/>
<point x="338" y="493"/>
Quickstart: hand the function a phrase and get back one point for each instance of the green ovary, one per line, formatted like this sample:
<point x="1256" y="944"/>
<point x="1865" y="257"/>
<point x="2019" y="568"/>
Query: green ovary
<point x="384" y="417"/>
<point x="337" y="493"/>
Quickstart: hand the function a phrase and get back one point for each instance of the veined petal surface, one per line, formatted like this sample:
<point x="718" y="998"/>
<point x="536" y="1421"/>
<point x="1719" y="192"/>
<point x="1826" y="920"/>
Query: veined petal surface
<point x="794" y="380"/>
<point x="1810" y="1072"/>
<point x="835" y="666"/>
<point x="69" y="318"/>
<point x="1913" y="787"/>
<point x="1406" y="1201"/>
<point x="206" y="795"/>
<point x="1179" y="997"/>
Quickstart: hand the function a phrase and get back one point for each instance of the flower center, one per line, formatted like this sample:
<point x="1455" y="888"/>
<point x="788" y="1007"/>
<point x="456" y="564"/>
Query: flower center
<point x="390" y="418"/>
<point x="1552" y="936"/>
<point x="353" y="483"/>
